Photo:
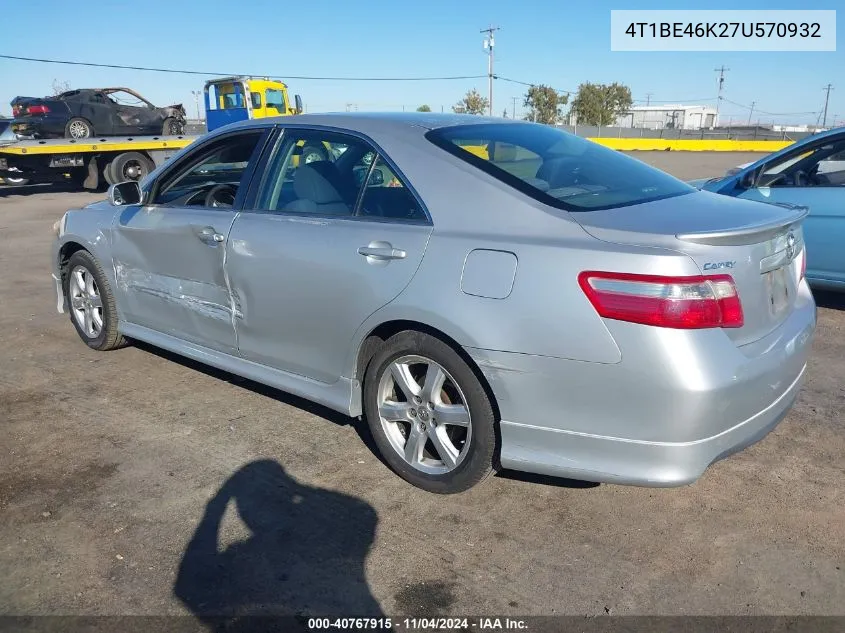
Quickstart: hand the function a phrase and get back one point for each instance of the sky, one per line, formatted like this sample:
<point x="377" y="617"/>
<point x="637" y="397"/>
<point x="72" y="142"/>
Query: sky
<point x="561" y="43"/>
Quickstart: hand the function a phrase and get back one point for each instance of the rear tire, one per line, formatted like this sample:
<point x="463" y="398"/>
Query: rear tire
<point x="79" y="128"/>
<point x="128" y="166"/>
<point x="91" y="303"/>
<point x="442" y="437"/>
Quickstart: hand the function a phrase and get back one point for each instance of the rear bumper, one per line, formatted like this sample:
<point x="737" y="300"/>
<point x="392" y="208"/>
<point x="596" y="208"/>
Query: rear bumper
<point x="677" y="402"/>
<point x="616" y="460"/>
<point x="40" y="127"/>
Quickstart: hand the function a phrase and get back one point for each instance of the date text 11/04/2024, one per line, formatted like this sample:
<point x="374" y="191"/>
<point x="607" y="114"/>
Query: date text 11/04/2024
<point x="417" y="624"/>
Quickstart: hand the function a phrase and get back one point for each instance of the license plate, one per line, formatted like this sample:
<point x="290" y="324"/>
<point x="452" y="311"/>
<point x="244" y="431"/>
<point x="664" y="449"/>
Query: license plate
<point x="777" y="285"/>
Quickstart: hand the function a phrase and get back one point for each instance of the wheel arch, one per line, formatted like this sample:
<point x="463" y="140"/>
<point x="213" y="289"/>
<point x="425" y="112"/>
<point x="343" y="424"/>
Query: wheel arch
<point x="66" y="251"/>
<point x="375" y="338"/>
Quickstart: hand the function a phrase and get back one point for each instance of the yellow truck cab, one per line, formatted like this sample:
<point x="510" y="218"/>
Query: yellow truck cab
<point x="231" y="99"/>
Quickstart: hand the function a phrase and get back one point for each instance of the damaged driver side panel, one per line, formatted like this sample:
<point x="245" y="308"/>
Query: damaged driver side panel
<point x="169" y="269"/>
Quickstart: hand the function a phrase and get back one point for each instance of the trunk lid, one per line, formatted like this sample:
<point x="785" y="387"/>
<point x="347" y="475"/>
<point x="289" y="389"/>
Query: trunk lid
<point x="21" y="105"/>
<point x="759" y="245"/>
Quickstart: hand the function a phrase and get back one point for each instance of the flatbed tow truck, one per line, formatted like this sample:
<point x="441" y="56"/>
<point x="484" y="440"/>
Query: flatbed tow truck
<point x="93" y="162"/>
<point x="88" y="162"/>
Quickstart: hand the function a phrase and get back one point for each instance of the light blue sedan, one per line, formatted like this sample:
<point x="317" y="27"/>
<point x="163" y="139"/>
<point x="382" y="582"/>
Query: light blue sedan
<point x="808" y="173"/>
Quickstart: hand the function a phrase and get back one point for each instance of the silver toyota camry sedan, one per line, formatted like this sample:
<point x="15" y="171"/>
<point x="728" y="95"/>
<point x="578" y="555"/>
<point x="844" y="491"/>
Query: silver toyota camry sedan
<point x="486" y="293"/>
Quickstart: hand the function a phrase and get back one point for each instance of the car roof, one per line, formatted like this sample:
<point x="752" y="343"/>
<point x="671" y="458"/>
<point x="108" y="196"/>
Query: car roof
<point x="381" y="121"/>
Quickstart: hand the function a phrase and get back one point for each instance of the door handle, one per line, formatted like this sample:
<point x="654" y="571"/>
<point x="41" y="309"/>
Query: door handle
<point x="382" y="252"/>
<point x="210" y="236"/>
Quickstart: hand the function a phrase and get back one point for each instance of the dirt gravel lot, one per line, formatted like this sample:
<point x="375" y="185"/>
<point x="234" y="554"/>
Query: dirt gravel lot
<point x="120" y="471"/>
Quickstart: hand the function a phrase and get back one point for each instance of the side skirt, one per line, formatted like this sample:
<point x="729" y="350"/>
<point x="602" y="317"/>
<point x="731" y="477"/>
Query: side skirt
<point x="343" y="396"/>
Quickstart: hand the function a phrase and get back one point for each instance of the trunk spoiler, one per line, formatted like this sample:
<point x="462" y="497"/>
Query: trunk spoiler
<point x="748" y="234"/>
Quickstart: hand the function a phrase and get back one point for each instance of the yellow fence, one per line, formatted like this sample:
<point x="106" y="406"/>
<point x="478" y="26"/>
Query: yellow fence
<point x="690" y="145"/>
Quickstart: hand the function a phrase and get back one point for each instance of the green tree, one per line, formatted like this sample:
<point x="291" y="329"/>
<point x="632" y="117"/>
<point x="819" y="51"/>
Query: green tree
<point x="424" y="108"/>
<point x="544" y="104"/>
<point x="472" y="103"/>
<point x="601" y="104"/>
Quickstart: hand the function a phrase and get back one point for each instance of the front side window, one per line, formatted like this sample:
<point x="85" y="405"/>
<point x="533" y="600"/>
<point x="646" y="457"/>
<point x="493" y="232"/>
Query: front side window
<point x="819" y="166"/>
<point x="256" y="99"/>
<point x="211" y="176"/>
<point x="557" y="168"/>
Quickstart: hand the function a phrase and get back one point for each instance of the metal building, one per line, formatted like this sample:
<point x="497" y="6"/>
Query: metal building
<point x="656" y="117"/>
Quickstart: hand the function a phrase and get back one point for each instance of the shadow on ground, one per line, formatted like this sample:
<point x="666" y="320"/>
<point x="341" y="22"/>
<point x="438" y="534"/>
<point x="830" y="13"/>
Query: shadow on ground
<point x="360" y="426"/>
<point x="305" y="555"/>
<point x="828" y="299"/>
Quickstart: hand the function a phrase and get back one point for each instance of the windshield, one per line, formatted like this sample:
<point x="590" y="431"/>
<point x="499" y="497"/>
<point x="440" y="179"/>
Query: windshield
<point x="557" y="168"/>
<point x="275" y="99"/>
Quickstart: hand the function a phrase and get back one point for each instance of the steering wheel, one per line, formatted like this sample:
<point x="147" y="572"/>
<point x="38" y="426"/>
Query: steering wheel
<point x="221" y="196"/>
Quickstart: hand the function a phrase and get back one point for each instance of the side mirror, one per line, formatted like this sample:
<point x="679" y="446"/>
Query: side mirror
<point x="125" y="193"/>
<point x="298" y="100"/>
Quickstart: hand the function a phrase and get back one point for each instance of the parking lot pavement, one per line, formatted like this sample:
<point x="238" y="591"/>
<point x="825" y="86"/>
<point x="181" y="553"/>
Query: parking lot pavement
<point x="689" y="165"/>
<point x="134" y="482"/>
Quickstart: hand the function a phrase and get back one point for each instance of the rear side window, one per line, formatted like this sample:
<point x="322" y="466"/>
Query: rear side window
<point x="557" y="168"/>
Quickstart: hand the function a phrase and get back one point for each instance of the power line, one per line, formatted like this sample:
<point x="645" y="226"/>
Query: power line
<point x="197" y="72"/>
<point x="529" y="84"/>
<point x="765" y="112"/>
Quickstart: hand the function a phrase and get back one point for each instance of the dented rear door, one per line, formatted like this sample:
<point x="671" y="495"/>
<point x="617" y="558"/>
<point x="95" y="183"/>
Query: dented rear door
<point x="169" y="268"/>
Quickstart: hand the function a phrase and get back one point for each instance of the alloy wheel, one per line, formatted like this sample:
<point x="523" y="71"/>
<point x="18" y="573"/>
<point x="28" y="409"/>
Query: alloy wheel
<point x="424" y="414"/>
<point x="78" y="129"/>
<point x="85" y="301"/>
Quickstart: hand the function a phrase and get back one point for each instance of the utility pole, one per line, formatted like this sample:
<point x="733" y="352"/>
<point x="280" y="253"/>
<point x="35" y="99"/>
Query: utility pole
<point x="753" y="103"/>
<point x="827" y="88"/>
<point x="197" y="94"/>
<point x="722" y="70"/>
<point x="648" y="98"/>
<point x="513" y="111"/>
<point x="488" y="46"/>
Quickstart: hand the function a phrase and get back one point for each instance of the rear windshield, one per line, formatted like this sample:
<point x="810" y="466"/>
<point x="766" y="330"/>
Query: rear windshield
<point x="557" y="168"/>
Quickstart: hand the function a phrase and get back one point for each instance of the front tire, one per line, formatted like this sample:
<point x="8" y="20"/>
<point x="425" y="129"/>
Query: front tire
<point x="91" y="303"/>
<point x="429" y="414"/>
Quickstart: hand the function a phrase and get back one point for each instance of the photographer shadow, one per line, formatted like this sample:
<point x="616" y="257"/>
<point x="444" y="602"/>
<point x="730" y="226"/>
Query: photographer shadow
<point x="304" y="558"/>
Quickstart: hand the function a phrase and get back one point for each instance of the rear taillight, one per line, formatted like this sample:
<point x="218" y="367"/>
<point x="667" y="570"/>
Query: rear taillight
<point x="38" y="109"/>
<point x="16" y="110"/>
<point x="685" y="303"/>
